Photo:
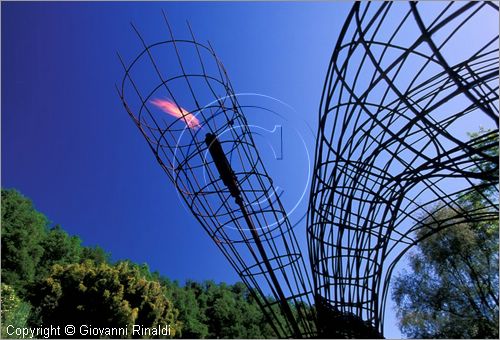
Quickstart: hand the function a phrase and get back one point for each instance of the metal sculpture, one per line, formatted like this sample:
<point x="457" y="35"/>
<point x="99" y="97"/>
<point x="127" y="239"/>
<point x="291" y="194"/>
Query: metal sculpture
<point x="405" y="80"/>
<point x="388" y="157"/>
<point x="179" y="96"/>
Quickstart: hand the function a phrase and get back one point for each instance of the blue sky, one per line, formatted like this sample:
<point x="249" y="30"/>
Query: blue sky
<point x="68" y="144"/>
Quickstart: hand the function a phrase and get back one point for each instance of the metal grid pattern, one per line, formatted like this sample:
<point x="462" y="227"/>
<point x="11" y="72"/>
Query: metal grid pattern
<point x="405" y="80"/>
<point x="178" y="94"/>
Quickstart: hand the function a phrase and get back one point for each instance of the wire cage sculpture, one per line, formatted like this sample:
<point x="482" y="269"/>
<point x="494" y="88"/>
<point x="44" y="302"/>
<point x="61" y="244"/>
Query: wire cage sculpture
<point x="179" y="95"/>
<point x="390" y="158"/>
<point x="404" y="82"/>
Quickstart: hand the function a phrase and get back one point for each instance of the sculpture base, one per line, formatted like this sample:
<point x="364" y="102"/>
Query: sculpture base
<point x="333" y="324"/>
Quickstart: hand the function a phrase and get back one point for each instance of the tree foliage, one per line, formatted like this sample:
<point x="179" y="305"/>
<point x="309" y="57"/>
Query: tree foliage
<point x="30" y="247"/>
<point x="53" y="279"/>
<point x="59" y="248"/>
<point x="210" y="310"/>
<point x="452" y="288"/>
<point x="103" y="296"/>
<point x="14" y="311"/>
<point x="23" y="230"/>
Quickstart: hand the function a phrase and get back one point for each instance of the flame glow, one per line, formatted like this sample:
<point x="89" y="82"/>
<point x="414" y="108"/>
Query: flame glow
<point x="172" y="109"/>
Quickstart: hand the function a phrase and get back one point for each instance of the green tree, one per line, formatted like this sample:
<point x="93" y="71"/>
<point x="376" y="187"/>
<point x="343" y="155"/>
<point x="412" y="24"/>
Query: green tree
<point x="30" y="247"/>
<point x="210" y="310"/>
<point x="23" y="231"/>
<point x="58" y="248"/>
<point x="452" y="288"/>
<point x="95" y="254"/>
<point x="15" y="312"/>
<point x="103" y="296"/>
<point x="194" y="321"/>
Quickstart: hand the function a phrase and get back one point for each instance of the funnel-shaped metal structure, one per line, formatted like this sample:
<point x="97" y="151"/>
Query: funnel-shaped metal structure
<point x="405" y="81"/>
<point x="180" y="97"/>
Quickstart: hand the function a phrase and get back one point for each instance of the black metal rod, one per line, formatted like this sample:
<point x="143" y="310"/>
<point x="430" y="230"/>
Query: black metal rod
<point x="229" y="179"/>
<point x="225" y="171"/>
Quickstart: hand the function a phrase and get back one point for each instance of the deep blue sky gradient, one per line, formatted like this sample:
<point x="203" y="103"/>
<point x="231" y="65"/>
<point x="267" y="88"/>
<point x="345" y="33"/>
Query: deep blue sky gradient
<point x="68" y="144"/>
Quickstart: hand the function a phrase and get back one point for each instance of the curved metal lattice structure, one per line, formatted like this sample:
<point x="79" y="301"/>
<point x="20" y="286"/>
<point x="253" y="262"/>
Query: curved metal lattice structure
<point x="180" y="97"/>
<point x="404" y="82"/>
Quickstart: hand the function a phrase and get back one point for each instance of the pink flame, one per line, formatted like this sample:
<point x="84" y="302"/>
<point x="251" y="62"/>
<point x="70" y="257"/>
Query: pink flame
<point x="172" y="109"/>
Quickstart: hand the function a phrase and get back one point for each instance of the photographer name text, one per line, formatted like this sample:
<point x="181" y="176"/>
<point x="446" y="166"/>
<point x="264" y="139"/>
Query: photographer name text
<point x="86" y="330"/>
